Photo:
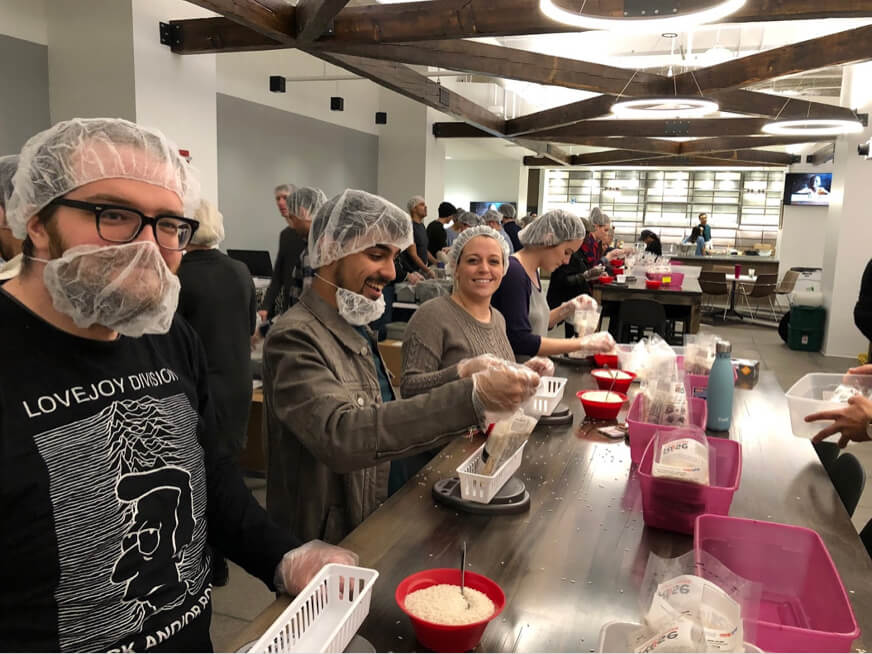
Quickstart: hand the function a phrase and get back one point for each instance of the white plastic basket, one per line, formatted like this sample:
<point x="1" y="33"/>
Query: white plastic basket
<point x="547" y="397"/>
<point x="325" y="615"/>
<point x="811" y="394"/>
<point x="482" y="488"/>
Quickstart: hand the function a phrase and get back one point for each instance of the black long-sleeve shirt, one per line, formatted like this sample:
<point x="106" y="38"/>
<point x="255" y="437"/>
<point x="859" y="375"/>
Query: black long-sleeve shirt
<point x="863" y="308"/>
<point x="278" y="296"/>
<point x="217" y="298"/>
<point x="567" y="281"/>
<point x="111" y="483"/>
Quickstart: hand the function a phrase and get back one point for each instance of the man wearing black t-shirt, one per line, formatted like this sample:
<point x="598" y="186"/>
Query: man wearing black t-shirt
<point x="112" y="479"/>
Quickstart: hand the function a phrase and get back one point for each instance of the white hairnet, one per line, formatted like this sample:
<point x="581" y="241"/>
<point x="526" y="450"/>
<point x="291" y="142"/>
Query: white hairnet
<point x="8" y="166"/>
<point x="492" y="216"/>
<point x="598" y="218"/>
<point x="83" y="150"/>
<point x="307" y="198"/>
<point x="283" y="188"/>
<point x="507" y="210"/>
<point x="211" y="230"/>
<point x="466" y="236"/>
<point x="551" y="228"/>
<point x="414" y="202"/>
<point x="354" y="221"/>
<point x="469" y="219"/>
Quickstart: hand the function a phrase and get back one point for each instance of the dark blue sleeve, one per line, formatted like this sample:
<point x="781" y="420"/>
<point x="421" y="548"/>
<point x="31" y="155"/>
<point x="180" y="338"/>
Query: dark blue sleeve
<point x="512" y="299"/>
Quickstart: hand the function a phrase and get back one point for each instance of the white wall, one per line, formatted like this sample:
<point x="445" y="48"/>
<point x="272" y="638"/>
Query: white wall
<point x="246" y="75"/>
<point x="402" y="150"/>
<point x="24" y="19"/>
<point x="496" y="180"/>
<point x="90" y="60"/>
<point x="176" y="93"/>
<point x="802" y="230"/>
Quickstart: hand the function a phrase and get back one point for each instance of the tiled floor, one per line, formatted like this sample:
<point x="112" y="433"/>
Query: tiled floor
<point x="244" y="597"/>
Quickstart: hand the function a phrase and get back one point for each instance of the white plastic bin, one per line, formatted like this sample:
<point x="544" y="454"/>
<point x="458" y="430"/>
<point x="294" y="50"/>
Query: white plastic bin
<point x="325" y="615"/>
<point x="482" y="488"/>
<point x="812" y="394"/>
<point x="547" y="397"/>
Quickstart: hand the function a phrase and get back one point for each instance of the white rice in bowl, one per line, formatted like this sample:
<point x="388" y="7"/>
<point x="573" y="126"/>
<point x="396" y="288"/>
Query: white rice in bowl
<point x="443" y="604"/>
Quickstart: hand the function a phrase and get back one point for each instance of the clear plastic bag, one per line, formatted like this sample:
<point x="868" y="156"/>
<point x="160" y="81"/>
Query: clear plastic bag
<point x="699" y="353"/>
<point x="682" y="454"/>
<point x="587" y="320"/>
<point x="504" y="439"/>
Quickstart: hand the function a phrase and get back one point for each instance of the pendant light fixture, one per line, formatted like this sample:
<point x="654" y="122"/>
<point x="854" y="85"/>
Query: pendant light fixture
<point x="644" y="23"/>
<point x="811" y="126"/>
<point x="665" y="106"/>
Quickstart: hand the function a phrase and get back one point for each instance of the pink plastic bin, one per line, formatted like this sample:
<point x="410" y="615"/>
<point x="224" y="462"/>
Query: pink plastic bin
<point x="641" y="433"/>
<point x="697" y="385"/>
<point x="677" y="278"/>
<point x="803" y="604"/>
<point x="674" y="505"/>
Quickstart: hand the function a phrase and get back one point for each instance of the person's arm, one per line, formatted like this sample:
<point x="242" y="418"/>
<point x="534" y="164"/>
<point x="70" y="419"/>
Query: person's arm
<point x="340" y="424"/>
<point x="512" y="299"/>
<point x="422" y="369"/>
<point x="252" y="305"/>
<point x="412" y="253"/>
<point x="238" y="525"/>
<point x="433" y="260"/>
<point x="275" y="284"/>
<point x="852" y="422"/>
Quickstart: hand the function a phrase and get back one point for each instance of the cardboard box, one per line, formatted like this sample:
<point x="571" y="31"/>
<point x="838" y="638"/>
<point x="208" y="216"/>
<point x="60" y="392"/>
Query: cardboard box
<point x="392" y="353"/>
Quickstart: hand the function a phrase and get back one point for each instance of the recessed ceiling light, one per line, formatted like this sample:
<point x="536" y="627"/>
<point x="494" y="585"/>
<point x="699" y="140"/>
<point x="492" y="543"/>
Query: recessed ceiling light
<point x="813" y="127"/>
<point x="676" y="23"/>
<point x="664" y="107"/>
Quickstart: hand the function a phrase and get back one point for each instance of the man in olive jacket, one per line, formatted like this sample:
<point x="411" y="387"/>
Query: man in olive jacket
<point x="332" y="422"/>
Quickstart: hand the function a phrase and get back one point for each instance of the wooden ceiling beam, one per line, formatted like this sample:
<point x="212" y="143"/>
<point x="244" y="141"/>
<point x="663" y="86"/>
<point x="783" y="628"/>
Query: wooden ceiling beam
<point x="636" y="143"/>
<point x="273" y="19"/>
<point x="757" y="156"/>
<point x="549" y="151"/>
<point x="822" y="156"/>
<point x="209" y="35"/>
<point x="723" y="144"/>
<point x="511" y="63"/>
<point x="831" y="50"/>
<point x="567" y="114"/>
<point x="315" y="17"/>
<point x="458" y="19"/>
<point x="443" y="130"/>
<point x="654" y="128"/>
<point x="613" y="157"/>
<point x="405" y="81"/>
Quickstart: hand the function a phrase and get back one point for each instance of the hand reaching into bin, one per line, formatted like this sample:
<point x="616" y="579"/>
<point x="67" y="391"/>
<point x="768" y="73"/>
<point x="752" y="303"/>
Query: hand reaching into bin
<point x="301" y="564"/>
<point x="852" y="422"/>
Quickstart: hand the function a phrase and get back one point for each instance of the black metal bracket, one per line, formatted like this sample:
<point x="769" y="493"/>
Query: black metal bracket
<point x="170" y="35"/>
<point x="676" y="128"/>
<point x="864" y="119"/>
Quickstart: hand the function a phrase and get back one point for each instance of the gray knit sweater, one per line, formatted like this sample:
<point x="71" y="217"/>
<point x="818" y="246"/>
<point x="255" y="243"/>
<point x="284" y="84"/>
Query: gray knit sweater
<point x="439" y="335"/>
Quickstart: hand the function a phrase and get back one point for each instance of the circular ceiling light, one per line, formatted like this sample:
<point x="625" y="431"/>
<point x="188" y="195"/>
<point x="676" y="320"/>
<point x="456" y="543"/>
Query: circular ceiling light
<point x="646" y="24"/>
<point x="664" y="107"/>
<point x="813" y="127"/>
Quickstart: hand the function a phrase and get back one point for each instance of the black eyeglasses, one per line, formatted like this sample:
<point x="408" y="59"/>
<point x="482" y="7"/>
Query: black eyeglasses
<point x="122" y="224"/>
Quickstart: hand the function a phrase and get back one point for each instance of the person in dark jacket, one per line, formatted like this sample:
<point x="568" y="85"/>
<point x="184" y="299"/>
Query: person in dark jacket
<point x="863" y="308"/>
<point x="652" y="242"/>
<point x="277" y="299"/>
<point x="510" y="227"/>
<point x="569" y="281"/>
<point x="437" y="239"/>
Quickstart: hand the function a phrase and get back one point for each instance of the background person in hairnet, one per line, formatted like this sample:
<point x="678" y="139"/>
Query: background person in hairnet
<point x="113" y="477"/>
<point x="10" y="247"/>
<point x="302" y="204"/>
<point x="217" y="298"/>
<point x="332" y="419"/>
<point x="494" y="220"/>
<point x="549" y="242"/>
<point x="277" y="297"/>
<point x="510" y="227"/>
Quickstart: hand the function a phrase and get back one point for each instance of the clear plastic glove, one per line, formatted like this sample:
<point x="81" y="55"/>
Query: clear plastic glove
<point x="584" y="302"/>
<point x="542" y="366"/>
<point x="468" y="367"/>
<point x="431" y="273"/>
<point x="598" y="343"/>
<point x="300" y="565"/>
<point x="593" y="273"/>
<point x="413" y="278"/>
<point x="501" y="389"/>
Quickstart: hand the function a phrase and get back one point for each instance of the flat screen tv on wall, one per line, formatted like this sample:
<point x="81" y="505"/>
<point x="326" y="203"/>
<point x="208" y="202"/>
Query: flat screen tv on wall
<point x="481" y="207"/>
<point x="807" y="189"/>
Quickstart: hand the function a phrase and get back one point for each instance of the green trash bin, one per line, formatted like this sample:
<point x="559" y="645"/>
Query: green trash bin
<point x="806" y="328"/>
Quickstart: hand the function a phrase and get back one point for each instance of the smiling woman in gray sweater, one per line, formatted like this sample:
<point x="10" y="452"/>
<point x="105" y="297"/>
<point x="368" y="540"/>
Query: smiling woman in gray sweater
<point x="448" y="329"/>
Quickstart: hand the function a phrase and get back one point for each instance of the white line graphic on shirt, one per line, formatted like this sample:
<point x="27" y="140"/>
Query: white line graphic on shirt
<point x="128" y="493"/>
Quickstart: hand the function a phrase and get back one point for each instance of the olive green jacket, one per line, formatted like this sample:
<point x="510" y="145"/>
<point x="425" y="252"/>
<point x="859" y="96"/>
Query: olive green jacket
<point x="330" y="438"/>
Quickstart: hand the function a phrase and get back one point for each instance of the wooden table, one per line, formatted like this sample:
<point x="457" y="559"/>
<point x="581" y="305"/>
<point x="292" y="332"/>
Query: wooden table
<point x="252" y="459"/>
<point x="577" y="558"/>
<point x="734" y="282"/>
<point x="688" y="296"/>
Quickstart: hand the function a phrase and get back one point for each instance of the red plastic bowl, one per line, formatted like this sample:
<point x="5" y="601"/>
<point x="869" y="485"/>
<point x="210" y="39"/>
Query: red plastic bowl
<point x="598" y="410"/>
<point x="652" y="283"/>
<point x="606" y="360"/>
<point x="618" y="270"/>
<point x="444" y="637"/>
<point x="606" y="279"/>
<point x="604" y="379"/>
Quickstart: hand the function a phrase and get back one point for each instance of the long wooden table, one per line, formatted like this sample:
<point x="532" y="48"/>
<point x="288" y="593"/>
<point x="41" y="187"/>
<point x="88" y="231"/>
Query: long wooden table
<point x="576" y="560"/>
<point x="688" y="297"/>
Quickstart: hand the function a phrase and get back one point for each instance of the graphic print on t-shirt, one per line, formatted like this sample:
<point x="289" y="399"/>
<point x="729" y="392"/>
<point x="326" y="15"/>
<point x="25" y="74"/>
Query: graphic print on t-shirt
<point x="128" y="494"/>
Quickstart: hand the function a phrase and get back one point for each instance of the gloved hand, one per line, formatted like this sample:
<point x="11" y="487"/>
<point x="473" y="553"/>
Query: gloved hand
<point x="542" y="366"/>
<point x="501" y="389"/>
<point x="598" y="343"/>
<point x="413" y="278"/>
<point x="300" y="565"/>
<point x="851" y="422"/>
<point x="578" y="303"/>
<point x="593" y="273"/>
<point x="430" y="273"/>
<point x="468" y="367"/>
